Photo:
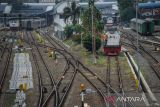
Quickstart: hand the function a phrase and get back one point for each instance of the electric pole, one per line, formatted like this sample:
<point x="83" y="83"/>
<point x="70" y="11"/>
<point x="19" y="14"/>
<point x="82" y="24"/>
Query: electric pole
<point x="93" y="36"/>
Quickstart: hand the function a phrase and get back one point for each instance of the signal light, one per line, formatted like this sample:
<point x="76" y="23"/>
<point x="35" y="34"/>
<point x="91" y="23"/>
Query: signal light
<point x="82" y="87"/>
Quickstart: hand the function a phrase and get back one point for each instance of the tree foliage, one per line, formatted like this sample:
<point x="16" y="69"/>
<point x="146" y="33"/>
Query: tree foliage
<point x="98" y="26"/>
<point x="87" y="20"/>
<point x="127" y="10"/>
<point x="128" y="13"/>
<point x="77" y="38"/>
<point x="87" y="42"/>
<point x="73" y="11"/>
<point x="69" y="29"/>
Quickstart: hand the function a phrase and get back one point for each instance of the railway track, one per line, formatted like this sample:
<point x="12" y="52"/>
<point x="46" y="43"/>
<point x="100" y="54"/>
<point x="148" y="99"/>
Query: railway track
<point x="7" y="62"/>
<point x="40" y="98"/>
<point x="115" y="73"/>
<point x="110" y="75"/>
<point x="76" y="61"/>
<point x="41" y="84"/>
<point x="57" y="86"/>
<point x="78" y="66"/>
<point x="154" y="63"/>
<point x="81" y="66"/>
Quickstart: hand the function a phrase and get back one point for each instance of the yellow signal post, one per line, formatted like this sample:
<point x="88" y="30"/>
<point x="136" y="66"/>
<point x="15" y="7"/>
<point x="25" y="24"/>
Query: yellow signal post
<point x="20" y="42"/>
<point x="50" y="54"/>
<point x="21" y="87"/>
<point x="24" y="86"/>
<point x="43" y="41"/>
<point x="40" y="39"/>
<point x="137" y="84"/>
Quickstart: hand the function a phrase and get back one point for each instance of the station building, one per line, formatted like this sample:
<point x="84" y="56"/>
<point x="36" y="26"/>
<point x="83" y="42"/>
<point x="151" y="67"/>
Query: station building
<point x="108" y="10"/>
<point x="26" y="11"/>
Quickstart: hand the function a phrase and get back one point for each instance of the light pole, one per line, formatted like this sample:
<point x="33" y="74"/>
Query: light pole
<point x="46" y="19"/>
<point x="81" y="29"/>
<point x="93" y="36"/>
<point x="80" y="21"/>
<point x="137" y="45"/>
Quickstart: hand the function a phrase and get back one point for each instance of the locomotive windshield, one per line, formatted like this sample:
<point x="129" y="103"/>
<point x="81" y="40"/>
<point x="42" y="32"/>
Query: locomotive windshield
<point x="112" y="29"/>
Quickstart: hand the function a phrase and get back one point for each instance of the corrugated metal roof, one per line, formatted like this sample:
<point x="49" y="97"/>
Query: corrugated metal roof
<point x="22" y="71"/>
<point x="138" y="20"/>
<point x="29" y="9"/>
<point x="100" y="5"/>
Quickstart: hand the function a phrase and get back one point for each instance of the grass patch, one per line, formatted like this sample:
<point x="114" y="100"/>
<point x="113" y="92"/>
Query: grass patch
<point x="69" y="42"/>
<point x="87" y="56"/>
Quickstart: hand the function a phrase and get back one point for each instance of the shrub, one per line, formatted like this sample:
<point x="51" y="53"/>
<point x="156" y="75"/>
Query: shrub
<point x="87" y="42"/>
<point x="77" y="38"/>
<point x="68" y="30"/>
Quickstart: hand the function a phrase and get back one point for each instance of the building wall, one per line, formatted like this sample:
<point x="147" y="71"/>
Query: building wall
<point x="58" y="17"/>
<point x="59" y="22"/>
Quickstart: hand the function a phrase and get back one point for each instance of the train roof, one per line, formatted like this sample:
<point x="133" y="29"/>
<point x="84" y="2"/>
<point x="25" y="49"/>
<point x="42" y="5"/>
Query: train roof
<point x="149" y="5"/>
<point x="149" y="19"/>
<point x="138" y="20"/>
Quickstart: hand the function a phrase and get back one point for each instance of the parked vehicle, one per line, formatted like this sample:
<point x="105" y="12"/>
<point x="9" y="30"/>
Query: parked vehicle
<point x="28" y="24"/>
<point x="144" y="27"/>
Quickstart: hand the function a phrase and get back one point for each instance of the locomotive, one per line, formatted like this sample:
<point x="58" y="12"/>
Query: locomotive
<point x="28" y="24"/>
<point x="13" y="24"/>
<point x="112" y="45"/>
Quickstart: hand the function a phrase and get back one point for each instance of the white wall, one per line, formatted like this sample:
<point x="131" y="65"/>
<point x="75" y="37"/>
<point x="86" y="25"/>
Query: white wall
<point x="60" y="22"/>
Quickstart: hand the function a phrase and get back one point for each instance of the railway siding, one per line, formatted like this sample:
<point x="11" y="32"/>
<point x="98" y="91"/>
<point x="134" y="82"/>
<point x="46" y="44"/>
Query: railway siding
<point x="143" y="82"/>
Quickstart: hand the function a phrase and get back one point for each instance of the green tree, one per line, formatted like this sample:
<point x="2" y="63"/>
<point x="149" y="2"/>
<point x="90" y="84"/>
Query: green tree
<point x="126" y="8"/>
<point x="72" y="12"/>
<point x="87" y="20"/>
<point x="128" y="13"/>
<point x="77" y="28"/>
<point x="87" y="42"/>
<point x="68" y="30"/>
<point x="98" y="26"/>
